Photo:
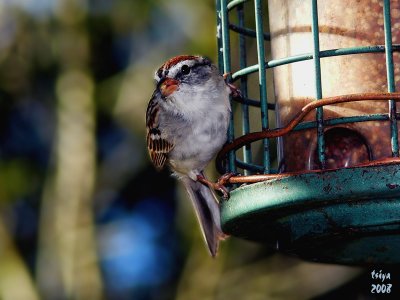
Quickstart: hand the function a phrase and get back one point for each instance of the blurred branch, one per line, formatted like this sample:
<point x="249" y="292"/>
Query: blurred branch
<point x="67" y="261"/>
<point x="15" y="280"/>
<point x="67" y="230"/>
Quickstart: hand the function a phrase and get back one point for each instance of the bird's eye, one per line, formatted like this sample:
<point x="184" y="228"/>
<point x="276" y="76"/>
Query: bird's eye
<point x="185" y="69"/>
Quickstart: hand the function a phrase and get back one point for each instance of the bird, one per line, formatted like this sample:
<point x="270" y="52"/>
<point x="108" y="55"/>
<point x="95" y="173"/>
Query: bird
<point x="187" y="119"/>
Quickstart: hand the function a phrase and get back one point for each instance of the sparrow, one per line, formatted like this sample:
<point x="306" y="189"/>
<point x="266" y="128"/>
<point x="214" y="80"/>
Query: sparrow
<point x="187" y="119"/>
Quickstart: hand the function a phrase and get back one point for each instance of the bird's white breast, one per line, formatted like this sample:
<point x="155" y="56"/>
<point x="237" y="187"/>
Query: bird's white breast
<point x="198" y="141"/>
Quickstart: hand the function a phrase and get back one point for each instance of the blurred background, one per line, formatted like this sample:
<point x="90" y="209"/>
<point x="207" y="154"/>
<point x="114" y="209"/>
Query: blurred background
<point x="83" y="214"/>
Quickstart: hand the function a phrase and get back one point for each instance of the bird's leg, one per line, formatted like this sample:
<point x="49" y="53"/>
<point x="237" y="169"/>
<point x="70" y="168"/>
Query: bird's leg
<point x="218" y="186"/>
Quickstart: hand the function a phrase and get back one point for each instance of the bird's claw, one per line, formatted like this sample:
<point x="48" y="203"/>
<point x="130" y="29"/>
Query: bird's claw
<point x="224" y="179"/>
<point x="235" y="92"/>
<point x="219" y="185"/>
<point x="223" y="190"/>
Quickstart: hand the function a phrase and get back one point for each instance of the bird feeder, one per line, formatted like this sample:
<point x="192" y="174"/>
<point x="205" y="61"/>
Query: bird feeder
<point x="334" y="195"/>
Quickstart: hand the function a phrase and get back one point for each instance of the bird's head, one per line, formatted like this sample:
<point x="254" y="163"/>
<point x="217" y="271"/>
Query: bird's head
<point x="186" y="73"/>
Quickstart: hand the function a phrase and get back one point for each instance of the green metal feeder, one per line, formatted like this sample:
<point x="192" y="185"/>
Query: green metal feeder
<point x="334" y="194"/>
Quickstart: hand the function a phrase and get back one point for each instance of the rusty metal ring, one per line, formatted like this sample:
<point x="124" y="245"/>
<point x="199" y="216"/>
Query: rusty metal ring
<point x="277" y="132"/>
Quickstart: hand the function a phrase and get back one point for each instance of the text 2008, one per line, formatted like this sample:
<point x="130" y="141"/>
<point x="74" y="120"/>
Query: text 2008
<point x="381" y="288"/>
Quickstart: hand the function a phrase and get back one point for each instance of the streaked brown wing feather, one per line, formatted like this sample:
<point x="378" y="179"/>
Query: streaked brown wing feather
<point x="157" y="146"/>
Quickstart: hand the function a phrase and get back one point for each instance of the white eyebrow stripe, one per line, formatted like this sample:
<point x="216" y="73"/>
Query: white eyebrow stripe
<point x="174" y="70"/>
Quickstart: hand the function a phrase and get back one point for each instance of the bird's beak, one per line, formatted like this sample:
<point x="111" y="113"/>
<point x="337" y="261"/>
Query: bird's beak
<point x="168" y="86"/>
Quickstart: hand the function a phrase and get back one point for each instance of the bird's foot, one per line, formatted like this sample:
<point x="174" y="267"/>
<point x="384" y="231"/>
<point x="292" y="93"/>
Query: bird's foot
<point x="235" y="92"/>
<point x="217" y="186"/>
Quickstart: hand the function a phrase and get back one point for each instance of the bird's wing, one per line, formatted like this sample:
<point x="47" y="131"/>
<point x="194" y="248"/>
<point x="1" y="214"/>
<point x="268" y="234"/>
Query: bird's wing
<point x="158" y="146"/>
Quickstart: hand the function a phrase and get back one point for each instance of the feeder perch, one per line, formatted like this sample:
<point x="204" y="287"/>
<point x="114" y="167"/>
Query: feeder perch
<point x="334" y="193"/>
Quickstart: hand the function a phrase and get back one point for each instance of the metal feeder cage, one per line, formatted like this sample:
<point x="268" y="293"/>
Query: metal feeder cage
<point x="334" y="193"/>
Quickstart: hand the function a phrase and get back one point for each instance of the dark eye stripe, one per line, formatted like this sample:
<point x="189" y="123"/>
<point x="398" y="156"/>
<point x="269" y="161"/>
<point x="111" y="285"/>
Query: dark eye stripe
<point x="163" y="71"/>
<point x="159" y="72"/>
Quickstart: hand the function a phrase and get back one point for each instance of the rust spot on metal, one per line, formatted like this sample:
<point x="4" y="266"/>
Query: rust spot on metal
<point x="392" y="185"/>
<point x="327" y="188"/>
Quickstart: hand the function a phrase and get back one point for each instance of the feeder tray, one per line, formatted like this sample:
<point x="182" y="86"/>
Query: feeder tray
<point x="347" y="216"/>
<point x="345" y="213"/>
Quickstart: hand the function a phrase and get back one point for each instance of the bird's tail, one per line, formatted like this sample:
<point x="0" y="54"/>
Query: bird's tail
<point x="207" y="211"/>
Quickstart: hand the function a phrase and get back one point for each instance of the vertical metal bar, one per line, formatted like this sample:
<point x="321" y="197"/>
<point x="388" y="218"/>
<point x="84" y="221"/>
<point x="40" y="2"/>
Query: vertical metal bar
<point x="262" y="80"/>
<point x="219" y="36"/>
<point x="390" y="77"/>
<point x="247" y="157"/>
<point x="318" y="85"/>
<point x="227" y="69"/>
